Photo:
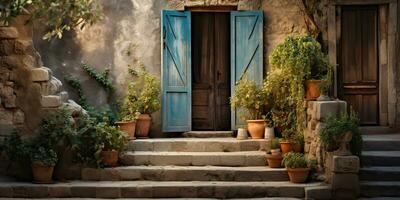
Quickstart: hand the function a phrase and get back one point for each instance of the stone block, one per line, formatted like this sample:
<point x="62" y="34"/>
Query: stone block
<point x="109" y="174"/>
<point x="228" y="2"/>
<point x="59" y="192"/>
<point x="325" y="109"/>
<point x="108" y="192"/>
<point x="318" y="192"/>
<point x="27" y="191"/>
<point x="211" y="2"/>
<point x="83" y="191"/>
<point x="346" y="164"/>
<point x="19" y="117"/>
<point x="249" y="4"/>
<point x="286" y="191"/>
<point x="6" y="47"/>
<point x="202" y="160"/>
<point x="51" y="87"/>
<point x="345" y="181"/>
<point x="51" y="101"/>
<point x="91" y="174"/>
<point x="10" y="101"/>
<point x="232" y="160"/>
<point x="8" y="33"/>
<point x="165" y="191"/>
<point x="176" y="4"/>
<point x="64" y="96"/>
<point x="6" y="117"/>
<point x="190" y="3"/>
<point x="6" y="191"/>
<point x="252" y="160"/>
<point x="23" y="47"/>
<point x="127" y="174"/>
<point x="40" y="74"/>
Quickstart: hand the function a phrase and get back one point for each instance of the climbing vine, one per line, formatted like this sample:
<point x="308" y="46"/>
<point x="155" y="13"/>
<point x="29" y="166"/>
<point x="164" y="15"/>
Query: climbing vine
<point x="76" y="84"/>
<point x="101" y="78"/>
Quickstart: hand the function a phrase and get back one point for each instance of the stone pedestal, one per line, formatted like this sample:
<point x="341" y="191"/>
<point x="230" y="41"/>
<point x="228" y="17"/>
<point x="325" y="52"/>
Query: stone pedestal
<point x="345" y="183"/>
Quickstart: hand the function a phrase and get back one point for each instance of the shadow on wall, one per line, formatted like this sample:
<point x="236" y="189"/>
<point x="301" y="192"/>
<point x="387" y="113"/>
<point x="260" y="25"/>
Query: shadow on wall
<point x="130" y="29"/>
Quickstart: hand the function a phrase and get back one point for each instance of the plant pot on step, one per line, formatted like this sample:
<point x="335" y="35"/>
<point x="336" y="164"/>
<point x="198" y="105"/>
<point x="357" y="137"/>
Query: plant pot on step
<point x="127" y="127"/>
<point x="298" y="175"/>
<point x="312" y="90"/>
<point x="42" y="173"/>
<point x="286" y="147"/>
<point x="143" y="124"/>
<point x="109" y="158"/>
<point x="256" y="128"/>
<point x="274" y="161"/>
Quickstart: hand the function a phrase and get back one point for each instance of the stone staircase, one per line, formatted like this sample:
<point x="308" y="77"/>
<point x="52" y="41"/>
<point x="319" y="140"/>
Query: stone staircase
<point x="380" y="175"/>
<point x="215" y="167"/>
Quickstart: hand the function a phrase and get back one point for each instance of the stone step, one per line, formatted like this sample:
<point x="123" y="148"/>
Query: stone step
<point x="380" y="174"/>
<point x="185" y="173"/>
<point x="381" y="158"/>
<point x="387" y="142"/>
<point x="154" y="189"/>
<point x="239" y="158"/>
<point x="197" y="144"/>
<point x="208" y="134"/>
<point x="380" y="188"/>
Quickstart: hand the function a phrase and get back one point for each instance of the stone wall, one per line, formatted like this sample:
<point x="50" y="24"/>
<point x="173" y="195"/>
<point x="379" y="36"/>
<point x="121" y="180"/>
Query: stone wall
<point x="27" y="89"/>
<point x="317" y="111"/>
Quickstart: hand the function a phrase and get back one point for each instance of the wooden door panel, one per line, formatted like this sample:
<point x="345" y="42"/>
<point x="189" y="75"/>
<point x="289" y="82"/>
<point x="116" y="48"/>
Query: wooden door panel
<point x="358" y="69"/>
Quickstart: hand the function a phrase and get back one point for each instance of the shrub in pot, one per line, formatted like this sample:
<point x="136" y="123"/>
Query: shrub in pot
<point x="274" y="159"/>
<point x="252" y="99"/>
<point x="129" y="113"/>
<point x="338" y="131"/>
<point x="298" y="167"/>
<point x="112" y="142"/>
<point x="43" y="161"/>
<point x="145" y="93"/>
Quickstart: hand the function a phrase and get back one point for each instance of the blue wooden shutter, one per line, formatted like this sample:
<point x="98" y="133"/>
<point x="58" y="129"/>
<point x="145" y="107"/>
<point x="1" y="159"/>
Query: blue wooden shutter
<point x="246" y="52"/>
<point x="176" y="71"/>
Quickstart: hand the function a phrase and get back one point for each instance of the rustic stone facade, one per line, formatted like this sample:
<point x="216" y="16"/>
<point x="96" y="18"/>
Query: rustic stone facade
<point x="241" y="4"/>
<point x="28" y="91"/>
<point x="317" y="111"/>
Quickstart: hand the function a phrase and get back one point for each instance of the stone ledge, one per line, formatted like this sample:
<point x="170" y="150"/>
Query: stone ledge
<point x="40" y="74"/>
<point x="8" y="33"/>
<point x="51" y="101"/>
<point x="319" y="192"/>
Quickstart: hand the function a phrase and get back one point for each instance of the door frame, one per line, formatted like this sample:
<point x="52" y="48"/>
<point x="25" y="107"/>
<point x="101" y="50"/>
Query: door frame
<point x="386" y="50"/>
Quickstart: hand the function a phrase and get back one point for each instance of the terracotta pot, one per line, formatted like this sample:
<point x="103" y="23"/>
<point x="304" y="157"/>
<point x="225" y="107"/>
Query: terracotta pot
<point x="42" y="173"/>
<point x="274" y="161"/>
<point x="128" y="128"/>
<point x="109" y="158"/>
<point x="286" y="147"/>
<point x="312" y="90"/>
<point x="256" y="128"/>
<point x="276" y="152"/>
<point x="297" y="148"/>
<point x="143" y="124"/>
<point x="298" y="175"/>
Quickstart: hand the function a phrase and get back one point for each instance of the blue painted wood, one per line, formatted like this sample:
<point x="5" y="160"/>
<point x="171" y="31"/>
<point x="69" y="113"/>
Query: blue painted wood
<point x="176" y="75"/>
<point x="246" y="52"/>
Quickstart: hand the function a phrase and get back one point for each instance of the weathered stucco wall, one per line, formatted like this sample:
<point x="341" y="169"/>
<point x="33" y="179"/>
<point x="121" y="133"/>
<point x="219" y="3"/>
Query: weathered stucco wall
<point x="131" y="29"/>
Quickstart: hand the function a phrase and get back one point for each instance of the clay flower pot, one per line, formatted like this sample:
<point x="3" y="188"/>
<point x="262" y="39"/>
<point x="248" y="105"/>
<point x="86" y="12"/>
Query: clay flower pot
<point x="274" y="161"/>
<point x="286" y="147"/>
<point x="298" y="175"/>
<point x="143" y="124"/>
<point x="42" y="173"/>
<point x="256" y="128"/>
<point x="312" y="90"/>
<point x="109" y="158"/>
<point x="128" y="128"/>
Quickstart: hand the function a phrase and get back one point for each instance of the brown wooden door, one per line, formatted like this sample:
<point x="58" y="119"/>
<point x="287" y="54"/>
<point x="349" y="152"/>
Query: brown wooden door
<point x="210" y="71"/>
<point x="358" y="68"/>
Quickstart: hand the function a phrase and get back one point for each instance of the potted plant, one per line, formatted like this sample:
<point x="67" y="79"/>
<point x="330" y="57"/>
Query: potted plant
<point x="146" y="92"/>
<point x="274" y="159"/>
<point x="269" y="128"/>
<point x="112" y="142"/>
<point x="252" y="99"/>
<point x="43" y="161"/>
<point x="129" y="113"/>
<point x="339" y="131"/>
<point x="298" y="167"/>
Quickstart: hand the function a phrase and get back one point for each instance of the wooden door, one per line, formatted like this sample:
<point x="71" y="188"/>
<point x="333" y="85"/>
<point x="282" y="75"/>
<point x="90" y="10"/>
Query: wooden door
<point x="176" y="73"/>
<point x="358" y="69"/>
<point x="210" y="77"/>
<point x="246" y="52"/>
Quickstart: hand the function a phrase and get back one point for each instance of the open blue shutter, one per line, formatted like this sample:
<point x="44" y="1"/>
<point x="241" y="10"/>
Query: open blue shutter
<point x="246" y="52"/>
<point x="176" y="71"/>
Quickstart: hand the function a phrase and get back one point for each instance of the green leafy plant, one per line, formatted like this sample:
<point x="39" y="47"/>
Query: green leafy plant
<point x="296" y="160"/>
<point x="15" y="148"/>
<point x="250" y="97"/>
<point x="76" y="84"/>
<point x="110" y="138"/>
<point x="101" y="78"/>
<point x="43" y="155"/>
<point x="336" y="127"/>
<point x="57" y="15"/>
<point x="143" y="94"/>
<point x="275" y="143"/>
